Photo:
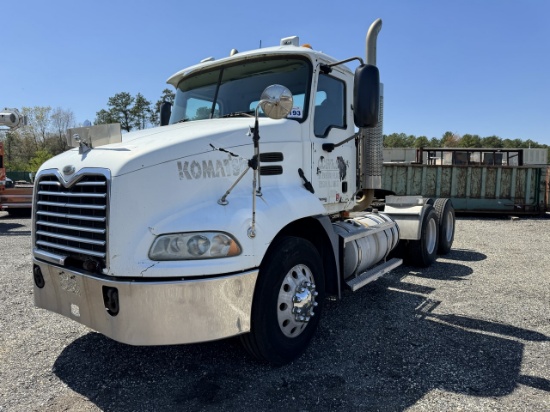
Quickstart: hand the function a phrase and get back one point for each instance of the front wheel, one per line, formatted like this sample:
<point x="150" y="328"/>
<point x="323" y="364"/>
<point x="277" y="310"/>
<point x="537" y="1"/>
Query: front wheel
<point x="287" y="302"/>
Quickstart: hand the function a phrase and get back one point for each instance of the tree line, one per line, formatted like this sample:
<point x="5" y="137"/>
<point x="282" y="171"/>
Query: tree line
<point x="45" y="134"/>
<point x="450" y="139"/>
<point x="133" y="112"/>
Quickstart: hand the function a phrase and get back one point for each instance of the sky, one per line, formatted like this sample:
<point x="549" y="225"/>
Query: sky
<point x="466" y="66"/>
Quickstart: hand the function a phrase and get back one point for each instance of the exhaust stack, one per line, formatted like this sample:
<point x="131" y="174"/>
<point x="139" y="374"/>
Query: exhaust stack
<point x="371" y="149"/>
<point x="372" y="36"/>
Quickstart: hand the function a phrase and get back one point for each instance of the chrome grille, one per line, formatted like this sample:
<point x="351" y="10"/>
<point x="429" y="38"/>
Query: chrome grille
<point x="72" y="221"/>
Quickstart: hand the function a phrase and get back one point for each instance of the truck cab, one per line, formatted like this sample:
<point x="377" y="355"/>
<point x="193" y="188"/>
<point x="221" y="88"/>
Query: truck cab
<point x="321" y="113"/>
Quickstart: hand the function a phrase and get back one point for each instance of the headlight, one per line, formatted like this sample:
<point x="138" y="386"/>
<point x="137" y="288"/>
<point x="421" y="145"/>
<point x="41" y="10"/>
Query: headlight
<point x="188" y="246"/>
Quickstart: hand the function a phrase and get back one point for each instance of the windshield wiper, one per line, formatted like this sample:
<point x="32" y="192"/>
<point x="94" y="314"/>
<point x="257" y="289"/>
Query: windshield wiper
<point x="182" y="120"/>
<point x="249" y="113"/>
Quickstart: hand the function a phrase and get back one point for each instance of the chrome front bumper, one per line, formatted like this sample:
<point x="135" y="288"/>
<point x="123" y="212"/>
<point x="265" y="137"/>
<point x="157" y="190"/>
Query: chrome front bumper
<point x="151" y="312"/>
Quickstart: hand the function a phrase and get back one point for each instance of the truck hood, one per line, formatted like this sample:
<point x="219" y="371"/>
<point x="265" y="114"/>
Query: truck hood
<point x="147" y="148"/>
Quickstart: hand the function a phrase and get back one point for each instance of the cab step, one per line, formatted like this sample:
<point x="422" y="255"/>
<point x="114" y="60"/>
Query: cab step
<point x="372" y="274"/>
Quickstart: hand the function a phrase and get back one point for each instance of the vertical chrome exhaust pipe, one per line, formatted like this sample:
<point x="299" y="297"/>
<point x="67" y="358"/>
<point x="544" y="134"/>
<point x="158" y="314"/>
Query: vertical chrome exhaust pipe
<point x="371" y="149"/>
<point x="372" y="36"/>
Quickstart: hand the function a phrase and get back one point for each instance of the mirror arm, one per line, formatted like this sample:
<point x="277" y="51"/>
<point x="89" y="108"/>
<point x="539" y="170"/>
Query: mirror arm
<point x="327" y="68"/>
<point x="256" y="131"/>
<point x="278" y="92"/>
<point x="329" y="147"/>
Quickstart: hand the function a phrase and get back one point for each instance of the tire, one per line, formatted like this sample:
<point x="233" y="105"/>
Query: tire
<point x="423" y="252"/>
<point x="277" y="335"/>
<point x="446" y="214"/>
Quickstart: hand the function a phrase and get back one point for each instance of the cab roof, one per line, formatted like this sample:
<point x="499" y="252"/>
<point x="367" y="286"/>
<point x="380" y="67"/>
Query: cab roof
<point x="291" y="50"/>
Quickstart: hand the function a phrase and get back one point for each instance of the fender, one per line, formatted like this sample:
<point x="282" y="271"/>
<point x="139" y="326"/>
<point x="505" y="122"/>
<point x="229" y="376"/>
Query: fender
<point x="408" y="212"/>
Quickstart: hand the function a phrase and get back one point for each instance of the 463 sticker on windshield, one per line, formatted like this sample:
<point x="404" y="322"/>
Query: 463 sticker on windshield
<point x="295" y="113"/>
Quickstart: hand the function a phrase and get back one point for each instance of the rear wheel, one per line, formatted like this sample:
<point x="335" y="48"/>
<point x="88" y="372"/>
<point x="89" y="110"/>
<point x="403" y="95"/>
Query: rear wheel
<point x="446" y="214"/>
<point x="423" y="252"/>
<point x="287" y="302"/>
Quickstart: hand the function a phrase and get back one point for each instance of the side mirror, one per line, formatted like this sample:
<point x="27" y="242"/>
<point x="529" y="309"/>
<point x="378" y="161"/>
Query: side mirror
<point x="366" y="96"/>
<point x="276" y="101"/>
<point x="165" y="112"/>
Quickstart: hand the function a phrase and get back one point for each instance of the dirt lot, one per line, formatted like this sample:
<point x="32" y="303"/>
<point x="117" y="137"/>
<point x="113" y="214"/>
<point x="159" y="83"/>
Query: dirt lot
<point x="470" y="333"/>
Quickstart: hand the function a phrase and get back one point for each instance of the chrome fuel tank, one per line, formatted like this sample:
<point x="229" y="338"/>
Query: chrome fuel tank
<point x="377" y="235"/>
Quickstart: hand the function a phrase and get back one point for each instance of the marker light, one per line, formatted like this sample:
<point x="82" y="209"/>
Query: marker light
<point x="196" y="245"/>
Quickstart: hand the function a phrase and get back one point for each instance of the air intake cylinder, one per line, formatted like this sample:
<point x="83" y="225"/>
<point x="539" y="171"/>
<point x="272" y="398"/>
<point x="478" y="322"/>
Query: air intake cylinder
<point x="370" y="151"/>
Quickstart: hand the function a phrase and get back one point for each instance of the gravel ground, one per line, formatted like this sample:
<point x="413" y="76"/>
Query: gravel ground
<point x="472" y="332"/>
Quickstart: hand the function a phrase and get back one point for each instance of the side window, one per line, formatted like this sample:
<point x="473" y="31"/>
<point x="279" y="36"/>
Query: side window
<point x="329" y="105"/>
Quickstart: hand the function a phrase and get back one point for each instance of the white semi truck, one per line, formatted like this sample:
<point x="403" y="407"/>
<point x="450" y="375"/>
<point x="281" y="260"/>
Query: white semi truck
<point x="239" y="215"/>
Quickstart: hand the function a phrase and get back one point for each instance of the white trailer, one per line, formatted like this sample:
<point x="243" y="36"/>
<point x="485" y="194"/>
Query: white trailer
<point x="238" y="216"/>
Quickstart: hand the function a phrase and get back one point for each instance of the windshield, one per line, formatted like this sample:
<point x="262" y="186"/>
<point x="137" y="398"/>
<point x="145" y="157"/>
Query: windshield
<point x="235" y="90"/>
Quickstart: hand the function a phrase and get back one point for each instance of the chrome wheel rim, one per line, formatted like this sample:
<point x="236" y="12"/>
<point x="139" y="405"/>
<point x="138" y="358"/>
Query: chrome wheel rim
<point x="449" y="226"/>
<point x="296" y="301"/>
<point x="431" y="236"/>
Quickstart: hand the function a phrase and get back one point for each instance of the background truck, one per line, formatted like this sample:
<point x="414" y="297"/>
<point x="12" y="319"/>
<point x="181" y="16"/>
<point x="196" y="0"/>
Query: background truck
<point x="257" y="186"/>
<point x="15" y="198"/>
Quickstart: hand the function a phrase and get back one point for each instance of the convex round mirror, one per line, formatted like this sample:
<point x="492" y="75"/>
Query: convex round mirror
<point x="276" y="101"/>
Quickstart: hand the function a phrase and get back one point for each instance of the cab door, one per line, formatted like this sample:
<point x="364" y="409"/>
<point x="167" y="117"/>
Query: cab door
<point x="333" y="173"/>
